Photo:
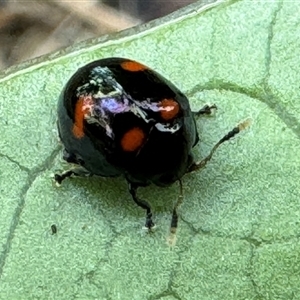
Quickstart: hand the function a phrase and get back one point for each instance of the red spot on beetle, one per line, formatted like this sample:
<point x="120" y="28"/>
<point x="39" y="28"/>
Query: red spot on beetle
<point x="169" y="109"/>
<point x="133" y="139"/>
<point x="82" y="107"/>
<point x="133" y="66"/>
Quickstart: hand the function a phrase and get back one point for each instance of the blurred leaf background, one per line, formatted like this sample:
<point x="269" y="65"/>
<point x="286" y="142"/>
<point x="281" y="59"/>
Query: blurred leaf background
<point x="30" y="29"/>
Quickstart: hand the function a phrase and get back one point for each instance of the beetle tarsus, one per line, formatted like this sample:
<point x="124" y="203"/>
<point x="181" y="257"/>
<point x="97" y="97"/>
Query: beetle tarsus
<point x="78" y="171"/>
<point x="205" y="110"/>
<point x="59" y="178"/>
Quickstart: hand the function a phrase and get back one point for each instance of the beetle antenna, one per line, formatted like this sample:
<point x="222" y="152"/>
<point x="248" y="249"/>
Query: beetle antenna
<point x="174" y="220"/>
<point x="199" y="165"/>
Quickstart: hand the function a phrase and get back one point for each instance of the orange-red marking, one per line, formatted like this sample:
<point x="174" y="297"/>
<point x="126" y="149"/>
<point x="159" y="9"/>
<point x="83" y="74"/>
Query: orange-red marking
<point x="80" y="110"/>
<point x="169" y="109"/>
<point x="133" y="66"/>
<point x="133" y="139"/>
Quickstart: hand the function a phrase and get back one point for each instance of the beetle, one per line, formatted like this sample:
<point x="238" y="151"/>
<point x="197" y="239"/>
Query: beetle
<point x="117" y="117"/>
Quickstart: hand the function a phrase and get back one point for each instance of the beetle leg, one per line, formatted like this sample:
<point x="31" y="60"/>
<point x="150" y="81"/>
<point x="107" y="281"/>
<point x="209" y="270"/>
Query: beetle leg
<point x="174" y="220"/>
<point x="77" y="171"/>
<point x="199" y="165"/>
<point x="71" y="158"/>
<point x="205" y="110"/>
<point x="143" y="204"/>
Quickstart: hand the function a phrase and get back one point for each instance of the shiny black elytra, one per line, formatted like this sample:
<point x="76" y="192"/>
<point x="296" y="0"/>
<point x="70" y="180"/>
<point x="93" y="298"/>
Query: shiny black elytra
<point x="118" y="117"/>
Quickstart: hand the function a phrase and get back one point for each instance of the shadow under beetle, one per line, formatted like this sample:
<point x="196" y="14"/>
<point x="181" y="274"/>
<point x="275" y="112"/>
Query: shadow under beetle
<point x="119" y="117"/>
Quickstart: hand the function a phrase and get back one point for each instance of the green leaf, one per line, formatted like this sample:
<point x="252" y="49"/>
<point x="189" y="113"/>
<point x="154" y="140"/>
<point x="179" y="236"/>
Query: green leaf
<point x="239" y="230"/>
